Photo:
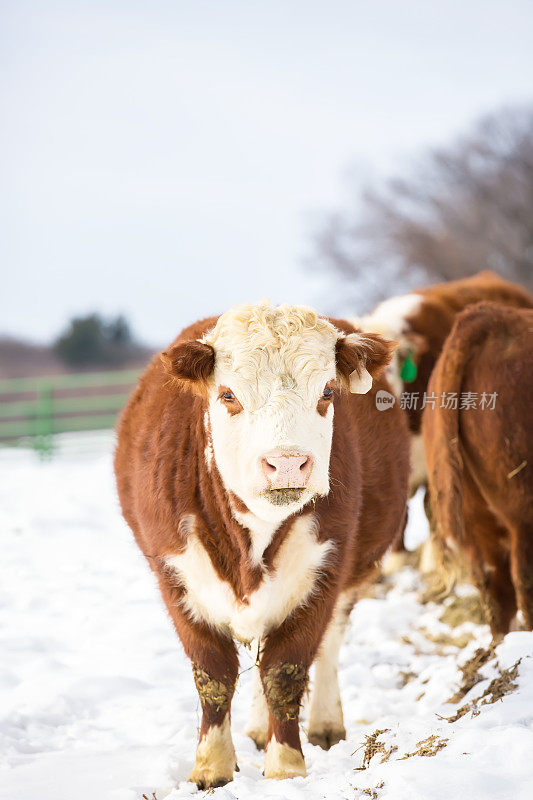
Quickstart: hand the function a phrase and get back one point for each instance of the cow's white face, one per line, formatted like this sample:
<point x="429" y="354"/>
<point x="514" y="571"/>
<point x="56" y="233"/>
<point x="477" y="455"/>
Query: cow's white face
<point x="270" y="406"/>
<point x="270" y="386"/>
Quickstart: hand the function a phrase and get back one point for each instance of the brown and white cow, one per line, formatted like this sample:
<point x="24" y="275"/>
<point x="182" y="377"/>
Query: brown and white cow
<point x="480" y="457"/>
<point x="420" y="322"/>
<point x="263" y="489"/>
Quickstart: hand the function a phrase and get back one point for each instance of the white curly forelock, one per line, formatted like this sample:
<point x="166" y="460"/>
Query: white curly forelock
<point x="288" y="339"/>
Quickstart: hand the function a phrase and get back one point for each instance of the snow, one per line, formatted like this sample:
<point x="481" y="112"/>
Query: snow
<point x="97" y="700"/>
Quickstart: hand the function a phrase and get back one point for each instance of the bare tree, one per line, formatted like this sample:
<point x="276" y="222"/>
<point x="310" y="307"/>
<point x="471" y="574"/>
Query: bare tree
<point x="464" y="208"/>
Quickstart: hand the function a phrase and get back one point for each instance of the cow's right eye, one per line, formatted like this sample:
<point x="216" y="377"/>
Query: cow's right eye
<point x="228" y="396"/>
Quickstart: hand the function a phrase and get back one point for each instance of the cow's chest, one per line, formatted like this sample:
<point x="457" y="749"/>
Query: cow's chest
<point x="287" y="585"/>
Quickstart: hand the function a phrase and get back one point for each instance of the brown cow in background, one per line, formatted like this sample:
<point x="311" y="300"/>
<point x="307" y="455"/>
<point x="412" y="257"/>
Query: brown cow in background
<point x="420" y="321"/>
<point x="264" y="486"/>
<point x="480" y="458"/>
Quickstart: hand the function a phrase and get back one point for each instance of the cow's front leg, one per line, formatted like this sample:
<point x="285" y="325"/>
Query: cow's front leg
<point x="287" y="655"/>
<point x="215" y="754"/>
<point x="215" y="666"/>
<point x="284" y="683"/>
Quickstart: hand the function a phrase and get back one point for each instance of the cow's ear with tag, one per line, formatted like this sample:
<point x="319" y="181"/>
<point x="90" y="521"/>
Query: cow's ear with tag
<point x="190" y="364"/>
<point x="362" y="357"/>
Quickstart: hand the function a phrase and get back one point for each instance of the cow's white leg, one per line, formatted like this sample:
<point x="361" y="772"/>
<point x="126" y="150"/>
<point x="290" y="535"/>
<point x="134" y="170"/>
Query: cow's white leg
<point x="215" y="757"/>
<point x="283" y="761"/>
<point x="326" y="723"/>
<point x="258" y="721"/>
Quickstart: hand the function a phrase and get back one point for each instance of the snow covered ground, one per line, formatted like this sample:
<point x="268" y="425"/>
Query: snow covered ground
<point x="97" y="701"/>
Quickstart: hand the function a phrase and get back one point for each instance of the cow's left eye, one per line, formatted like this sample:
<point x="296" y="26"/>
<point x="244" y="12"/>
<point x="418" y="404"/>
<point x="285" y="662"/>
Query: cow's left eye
<point x="228" y="399"/>
<point x="328" y="393"/>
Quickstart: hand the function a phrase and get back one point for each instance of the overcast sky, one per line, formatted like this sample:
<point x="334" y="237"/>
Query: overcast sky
<point x="166" y="159"/>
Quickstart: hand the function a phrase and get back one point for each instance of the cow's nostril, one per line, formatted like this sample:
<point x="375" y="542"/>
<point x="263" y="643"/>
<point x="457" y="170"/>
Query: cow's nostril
<point x="268" y="467"/>
<point x="305" y="463"/>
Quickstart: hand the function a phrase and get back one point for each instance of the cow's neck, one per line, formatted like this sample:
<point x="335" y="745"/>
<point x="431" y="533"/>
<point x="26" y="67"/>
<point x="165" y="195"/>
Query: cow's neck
<point x="230" y="532"/>
<point x="260" y="531"/>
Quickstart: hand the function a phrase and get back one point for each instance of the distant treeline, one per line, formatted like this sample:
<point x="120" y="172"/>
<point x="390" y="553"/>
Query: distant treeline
<point x="89" y="342"/>
<point x="459" y="209"/>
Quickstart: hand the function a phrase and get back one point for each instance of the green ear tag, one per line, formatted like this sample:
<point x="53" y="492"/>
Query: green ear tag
<point x="408" y="371"/>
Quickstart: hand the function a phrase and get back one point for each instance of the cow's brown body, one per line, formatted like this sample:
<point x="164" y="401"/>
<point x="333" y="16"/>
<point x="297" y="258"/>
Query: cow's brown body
<point x="163" y="478"/>
<point x="480" y="461"/>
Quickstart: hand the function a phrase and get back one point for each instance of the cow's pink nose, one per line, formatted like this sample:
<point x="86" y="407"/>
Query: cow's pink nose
<point x="287" y="470"/>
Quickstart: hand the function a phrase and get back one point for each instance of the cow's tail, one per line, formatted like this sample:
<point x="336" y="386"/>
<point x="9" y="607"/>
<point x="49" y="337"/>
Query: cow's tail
<point x="443" y="449"/>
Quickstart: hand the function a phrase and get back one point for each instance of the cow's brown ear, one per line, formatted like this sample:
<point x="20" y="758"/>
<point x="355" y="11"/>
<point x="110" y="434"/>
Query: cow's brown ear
<point x="361" y="357"/>
<point x="190" y="363"/>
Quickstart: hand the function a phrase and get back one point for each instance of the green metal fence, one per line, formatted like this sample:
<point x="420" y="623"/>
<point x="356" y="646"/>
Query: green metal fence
<point x="35" y="409"/>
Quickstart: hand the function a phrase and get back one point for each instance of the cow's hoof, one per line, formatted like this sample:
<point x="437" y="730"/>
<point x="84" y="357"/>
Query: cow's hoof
<point x="208" y="778"/>
<point x="282" y="761"/>
<point x="327" y="737"/>
<point x="258" y="736"/>
<point x="215" y="757"/>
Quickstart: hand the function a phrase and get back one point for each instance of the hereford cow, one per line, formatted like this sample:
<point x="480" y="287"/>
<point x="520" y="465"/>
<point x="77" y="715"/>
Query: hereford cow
<point x="480" y="457"/>
<point x="263" y="486"/>
<point x="420" y="322"/>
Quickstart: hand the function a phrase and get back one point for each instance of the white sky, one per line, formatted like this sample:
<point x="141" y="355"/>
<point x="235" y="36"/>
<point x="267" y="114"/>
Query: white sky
<point x="167" y="159"/>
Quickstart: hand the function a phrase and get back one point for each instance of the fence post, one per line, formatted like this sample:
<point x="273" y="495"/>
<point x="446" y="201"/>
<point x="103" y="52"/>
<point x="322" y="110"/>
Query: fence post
<point x="44" y="421"/>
